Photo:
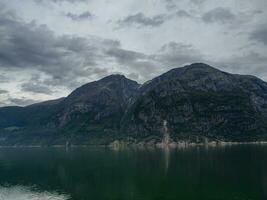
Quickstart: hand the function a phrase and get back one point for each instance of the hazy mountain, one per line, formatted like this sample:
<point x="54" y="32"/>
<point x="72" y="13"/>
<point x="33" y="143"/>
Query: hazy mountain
<point x="196" y="102"/>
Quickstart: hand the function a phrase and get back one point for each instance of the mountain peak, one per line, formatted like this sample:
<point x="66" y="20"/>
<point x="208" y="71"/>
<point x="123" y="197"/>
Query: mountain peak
<point x="195" y="69"/>
<point x="195" y="74"/>
<point x="200" y="66"/>
<point x="115" y="76"/>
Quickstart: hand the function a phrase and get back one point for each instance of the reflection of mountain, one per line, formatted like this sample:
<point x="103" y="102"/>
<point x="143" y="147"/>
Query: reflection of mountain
<point x="99" y="173"/>
<point x="195" y="103"/>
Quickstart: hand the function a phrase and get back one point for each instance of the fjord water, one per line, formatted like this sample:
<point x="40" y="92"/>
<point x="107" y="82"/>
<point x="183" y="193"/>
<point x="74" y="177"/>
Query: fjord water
<point x="219" y="173"/>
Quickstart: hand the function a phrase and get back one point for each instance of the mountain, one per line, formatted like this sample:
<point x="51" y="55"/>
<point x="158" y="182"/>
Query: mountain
<point x="92" y="111"/>
<point x="199" y="102"/>
<point x="30" y="116"/>
<point x="193" y="103"/>
<point x="99" y="105"/>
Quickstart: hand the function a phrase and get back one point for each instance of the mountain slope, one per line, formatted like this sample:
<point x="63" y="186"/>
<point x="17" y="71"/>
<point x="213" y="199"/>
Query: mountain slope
<point x="34" y="115"/>
<point x="99" y="104"/>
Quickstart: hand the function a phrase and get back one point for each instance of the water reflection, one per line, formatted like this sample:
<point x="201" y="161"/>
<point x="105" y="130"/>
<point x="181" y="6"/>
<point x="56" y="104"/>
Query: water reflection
<point x="228" y="172"/>
<point x="27" y="193"/>
<point x="166" y="153"/>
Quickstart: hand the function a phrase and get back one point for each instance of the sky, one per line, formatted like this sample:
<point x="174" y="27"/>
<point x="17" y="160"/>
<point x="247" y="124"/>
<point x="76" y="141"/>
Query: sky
<point x="50" y="47"/>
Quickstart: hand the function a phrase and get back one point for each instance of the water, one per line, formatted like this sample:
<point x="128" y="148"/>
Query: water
<point x="215" y="173"/>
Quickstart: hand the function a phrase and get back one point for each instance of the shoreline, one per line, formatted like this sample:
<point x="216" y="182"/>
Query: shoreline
<point x="122" y="144"/>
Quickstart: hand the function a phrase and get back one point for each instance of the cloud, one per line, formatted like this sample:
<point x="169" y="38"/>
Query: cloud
<point x="140" y="20"/>
<point x="198" y="2"/>
<point x="218" y="15"/>
<point x="4" y="79"/>
<point x="80" y="17"/>
<point x="147" y="66"/>
<point x="252" y="63"/>
<point x="260" y="34"/>
<point x="22" y="101"/>
<point x="60" y="1"/>
<point x="176" y="54"/>
<point x="170" y="4"/>
<point x="71" y="61"/>
<point x="3" y="91"/>
<point x="133" y="62"/>
<point x="64" y="58"/>
<point x="35" y="88"/>
<point x="183" y="13"/>
<point x="125" y="56"/>
<point x="174" y="4"/>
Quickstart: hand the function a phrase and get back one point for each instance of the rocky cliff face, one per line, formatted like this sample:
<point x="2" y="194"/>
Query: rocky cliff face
<point x="194" y="102"/>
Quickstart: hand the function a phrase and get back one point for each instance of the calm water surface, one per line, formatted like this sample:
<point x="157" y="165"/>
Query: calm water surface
<point x="216" y="173"/>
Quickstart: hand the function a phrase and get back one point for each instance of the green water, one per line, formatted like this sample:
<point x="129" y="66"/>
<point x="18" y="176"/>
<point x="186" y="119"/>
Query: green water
<point x="219" y="173"/>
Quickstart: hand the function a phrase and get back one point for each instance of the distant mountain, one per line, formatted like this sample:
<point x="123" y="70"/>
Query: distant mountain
<point x="194" y="103"/>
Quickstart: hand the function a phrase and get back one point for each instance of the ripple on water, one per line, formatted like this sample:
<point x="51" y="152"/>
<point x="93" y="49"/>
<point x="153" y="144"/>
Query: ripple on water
<point x="27" y="193"/>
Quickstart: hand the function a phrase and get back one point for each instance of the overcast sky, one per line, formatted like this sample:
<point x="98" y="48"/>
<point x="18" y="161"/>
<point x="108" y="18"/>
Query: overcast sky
<point x="50" y="47"/>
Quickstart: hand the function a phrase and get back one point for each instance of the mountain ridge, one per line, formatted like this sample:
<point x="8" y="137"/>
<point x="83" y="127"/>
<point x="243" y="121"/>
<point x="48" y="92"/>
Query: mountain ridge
<point x="195" y="103"/>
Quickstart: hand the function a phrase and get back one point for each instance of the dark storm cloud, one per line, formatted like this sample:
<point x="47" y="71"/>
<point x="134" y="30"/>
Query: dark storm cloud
<point x="27" y="45"/>
<point x="3" y="91"/>
<point x="64" y="58"/>
<point x="139" y="19"/>
<point x="80" y="17"/>
<point x="219" y="15"/>
<point x="260" y="34"/>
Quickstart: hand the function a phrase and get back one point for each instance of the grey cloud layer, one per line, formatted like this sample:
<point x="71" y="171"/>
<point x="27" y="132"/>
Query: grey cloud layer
<point x="260" y="34"/>
<point x="68" y="58"/>
<point x="64" y="58"/>
<point x="27" y="45"/>
<point x="35" y="88"/>
<point x="3" y="92"/>
<point x="139" y="19"/>
<point x="222" y="15"/>
<point x="174" y="53"/>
